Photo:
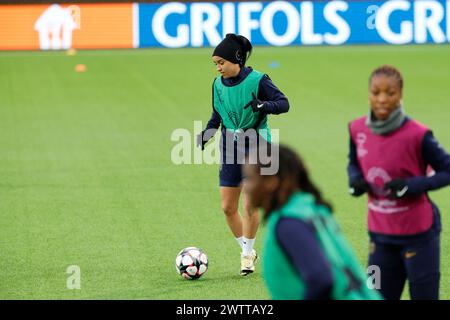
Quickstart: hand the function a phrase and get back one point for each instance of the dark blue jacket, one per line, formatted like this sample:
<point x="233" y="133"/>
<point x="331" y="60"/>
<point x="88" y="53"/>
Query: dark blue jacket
<point x="296" y="236"/>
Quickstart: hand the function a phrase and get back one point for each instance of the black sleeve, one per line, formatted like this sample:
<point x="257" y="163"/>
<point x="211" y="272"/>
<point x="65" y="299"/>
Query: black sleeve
<point x="353" y="170"/>
<point x="301" y="246"/>
<point x="435" y="156"/>
<point x="215" y="120"/>
<point x="275" y="101"/>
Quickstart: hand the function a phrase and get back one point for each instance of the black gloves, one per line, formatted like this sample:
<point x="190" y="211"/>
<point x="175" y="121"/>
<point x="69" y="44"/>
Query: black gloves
<point x="397" y="187"/>
<point x="358" y="187"/>
<point x="256" y="104"/>
<point x="204" y="137"/>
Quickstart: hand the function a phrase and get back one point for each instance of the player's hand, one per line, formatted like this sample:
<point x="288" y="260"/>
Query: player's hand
<point x="358" y="187"/>
<point x="256" y="104"/>
<point x="200" y="142"/>
<point x="204" y="137"/>
<point x="398" y="188"/>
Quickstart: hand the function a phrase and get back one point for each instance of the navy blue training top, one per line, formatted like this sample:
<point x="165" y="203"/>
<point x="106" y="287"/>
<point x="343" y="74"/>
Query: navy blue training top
<point x="299" y="242"/>
<point x="435" y="156"/>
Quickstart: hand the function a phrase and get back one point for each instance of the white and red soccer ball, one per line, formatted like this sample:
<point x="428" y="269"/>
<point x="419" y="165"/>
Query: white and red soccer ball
<point x="191" y="263"/>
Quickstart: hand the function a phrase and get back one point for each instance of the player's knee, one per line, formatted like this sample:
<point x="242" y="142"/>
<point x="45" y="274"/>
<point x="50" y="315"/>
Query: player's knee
<point x="428" y="278"/>
<point x="425" y="288"/>
<point x="229" y="209"/>
<point x="250" y="211"/>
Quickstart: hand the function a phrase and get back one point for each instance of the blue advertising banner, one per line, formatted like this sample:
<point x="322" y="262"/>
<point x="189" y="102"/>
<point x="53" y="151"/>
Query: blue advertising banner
<point x="283" y="23"/>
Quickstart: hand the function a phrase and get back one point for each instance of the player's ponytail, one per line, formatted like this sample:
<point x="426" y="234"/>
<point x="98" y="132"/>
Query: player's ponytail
<point x="246" y="47"/>
<point x="293" y="175"/>
<point x="306" y="185"/>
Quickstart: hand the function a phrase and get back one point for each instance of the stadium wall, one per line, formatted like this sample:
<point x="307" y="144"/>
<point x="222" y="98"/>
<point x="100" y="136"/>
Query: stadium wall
<point x="199" y="24"/>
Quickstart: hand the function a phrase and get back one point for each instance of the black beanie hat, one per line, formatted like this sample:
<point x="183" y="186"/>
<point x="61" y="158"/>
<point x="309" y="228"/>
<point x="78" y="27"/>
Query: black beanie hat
<point x="234" y="48"/>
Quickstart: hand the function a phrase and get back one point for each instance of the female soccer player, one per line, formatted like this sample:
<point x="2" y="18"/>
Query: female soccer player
<point x="305" y="255"/>
<point x="389" y="156"/>
<point x="242" y="99"/>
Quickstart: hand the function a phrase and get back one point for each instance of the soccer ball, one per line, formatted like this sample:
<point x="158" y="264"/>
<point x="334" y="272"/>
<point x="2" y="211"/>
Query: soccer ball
<point x="191" y="263"/>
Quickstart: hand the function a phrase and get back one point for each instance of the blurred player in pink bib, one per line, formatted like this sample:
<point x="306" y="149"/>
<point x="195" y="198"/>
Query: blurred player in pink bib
<point x="390" y="159"/>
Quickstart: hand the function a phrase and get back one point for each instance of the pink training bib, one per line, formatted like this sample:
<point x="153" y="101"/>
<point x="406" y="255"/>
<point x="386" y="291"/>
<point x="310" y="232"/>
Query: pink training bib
<point x="383" y="158"/>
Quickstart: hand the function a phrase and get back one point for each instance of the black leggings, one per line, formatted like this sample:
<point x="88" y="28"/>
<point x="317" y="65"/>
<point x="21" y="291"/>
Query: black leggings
<point x="418" y="262"/>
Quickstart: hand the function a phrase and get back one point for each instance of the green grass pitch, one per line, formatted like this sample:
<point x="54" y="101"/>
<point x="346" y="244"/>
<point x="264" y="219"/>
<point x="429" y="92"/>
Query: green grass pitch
<point x="86" y="177"/>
